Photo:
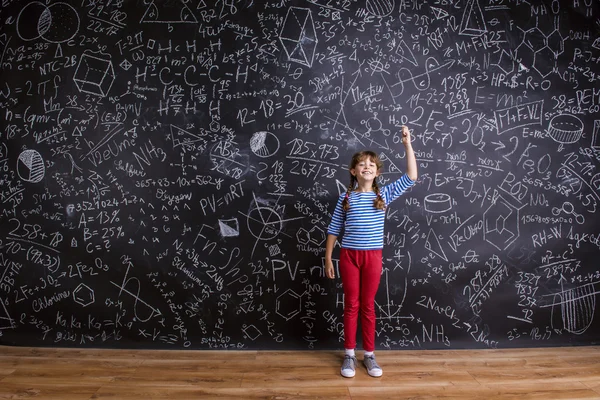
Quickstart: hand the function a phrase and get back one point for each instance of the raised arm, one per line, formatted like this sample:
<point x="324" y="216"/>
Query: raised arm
<point x="411" y="161"/>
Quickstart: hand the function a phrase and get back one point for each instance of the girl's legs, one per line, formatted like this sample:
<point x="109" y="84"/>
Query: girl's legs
<point x="361" y="272"/>
<point x="370" y="276"/>
<point x="350" y="274"/>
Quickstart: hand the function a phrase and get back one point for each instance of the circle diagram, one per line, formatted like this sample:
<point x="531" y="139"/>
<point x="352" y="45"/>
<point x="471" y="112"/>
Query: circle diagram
<point x="56" y="23"/>
<point x="380" y="8"/>
<point x="264" y="144"/>
<point x="30" y="166"/>
<point x="264" y="223"/>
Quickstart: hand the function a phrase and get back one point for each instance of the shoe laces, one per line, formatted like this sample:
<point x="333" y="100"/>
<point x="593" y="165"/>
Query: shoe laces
<point x="349" y="362"/>
<point x="372" y="363"/>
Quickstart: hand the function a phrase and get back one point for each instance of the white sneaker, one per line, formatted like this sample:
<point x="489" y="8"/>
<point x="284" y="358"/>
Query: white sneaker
<point x="349" y="367"/>
<point x="372" y="367"/>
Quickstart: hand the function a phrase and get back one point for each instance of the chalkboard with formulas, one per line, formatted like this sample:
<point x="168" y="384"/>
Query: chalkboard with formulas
<point x="168" y="170"/>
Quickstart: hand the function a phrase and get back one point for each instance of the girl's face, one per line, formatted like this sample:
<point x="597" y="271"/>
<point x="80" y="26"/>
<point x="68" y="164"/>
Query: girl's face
<point x="365" y="170"/>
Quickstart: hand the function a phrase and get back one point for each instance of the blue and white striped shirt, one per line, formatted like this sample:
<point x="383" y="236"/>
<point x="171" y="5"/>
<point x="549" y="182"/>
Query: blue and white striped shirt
<point x="363" y="223"/>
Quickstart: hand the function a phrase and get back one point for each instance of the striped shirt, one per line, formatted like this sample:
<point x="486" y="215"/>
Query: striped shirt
<point x="363" y="223"/>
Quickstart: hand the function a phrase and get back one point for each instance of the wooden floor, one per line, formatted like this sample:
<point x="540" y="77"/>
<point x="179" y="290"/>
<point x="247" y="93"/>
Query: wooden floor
<point x="65" y="374"/>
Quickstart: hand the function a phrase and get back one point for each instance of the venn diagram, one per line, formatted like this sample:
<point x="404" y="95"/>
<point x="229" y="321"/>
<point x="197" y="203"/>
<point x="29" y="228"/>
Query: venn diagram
<point x="55" y="23"/>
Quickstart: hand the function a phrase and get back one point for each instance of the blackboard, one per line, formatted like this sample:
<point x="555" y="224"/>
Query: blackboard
<point x="168" y="170"/>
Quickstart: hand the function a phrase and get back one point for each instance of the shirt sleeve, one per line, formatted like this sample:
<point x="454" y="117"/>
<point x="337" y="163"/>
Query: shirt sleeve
<point x="395" y="189"/>
<point x="337" y="219"/>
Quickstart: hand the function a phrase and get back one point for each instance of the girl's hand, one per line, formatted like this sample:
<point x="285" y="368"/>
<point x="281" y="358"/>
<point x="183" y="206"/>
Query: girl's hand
<point x="329" y="272"/>
<point x="406" y="138"/>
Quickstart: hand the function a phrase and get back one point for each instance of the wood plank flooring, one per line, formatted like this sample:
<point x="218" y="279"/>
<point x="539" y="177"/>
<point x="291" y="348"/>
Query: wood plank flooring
<point x="74" y="374"/>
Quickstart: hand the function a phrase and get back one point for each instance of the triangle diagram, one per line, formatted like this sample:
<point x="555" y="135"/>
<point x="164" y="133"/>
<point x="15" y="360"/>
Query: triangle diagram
<point x="341" y="187"/>
<point x="473" y="22"/>
<point x="392" y="167"/>
<point x="168" y="13"/>
<point x="181" y="137"/>
<point x="433" y="245"/>
<point x="439" y="13"/>
<point x="406" y="53"/>
<point x="5" y="320"/>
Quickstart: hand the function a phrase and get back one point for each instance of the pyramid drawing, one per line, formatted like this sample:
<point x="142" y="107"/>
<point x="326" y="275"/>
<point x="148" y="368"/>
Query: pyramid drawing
<point x="169" y="12"/>
<point x="299" y="36"/>
<point x="473" y="21"/>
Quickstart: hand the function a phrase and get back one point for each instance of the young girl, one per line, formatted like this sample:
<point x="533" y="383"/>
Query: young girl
<point x="361" y="211"/>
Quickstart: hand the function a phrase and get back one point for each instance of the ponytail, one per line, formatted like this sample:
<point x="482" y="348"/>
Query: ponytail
<point x="346" y="201"/>
<point x="378" y="202"/>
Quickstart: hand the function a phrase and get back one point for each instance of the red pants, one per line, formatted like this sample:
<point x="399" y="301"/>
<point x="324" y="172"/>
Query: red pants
<point x="361" y="273"/>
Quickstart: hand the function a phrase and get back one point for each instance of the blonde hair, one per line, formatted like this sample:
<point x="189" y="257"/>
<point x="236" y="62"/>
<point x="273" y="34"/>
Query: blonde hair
<point x="357" y="158"/>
